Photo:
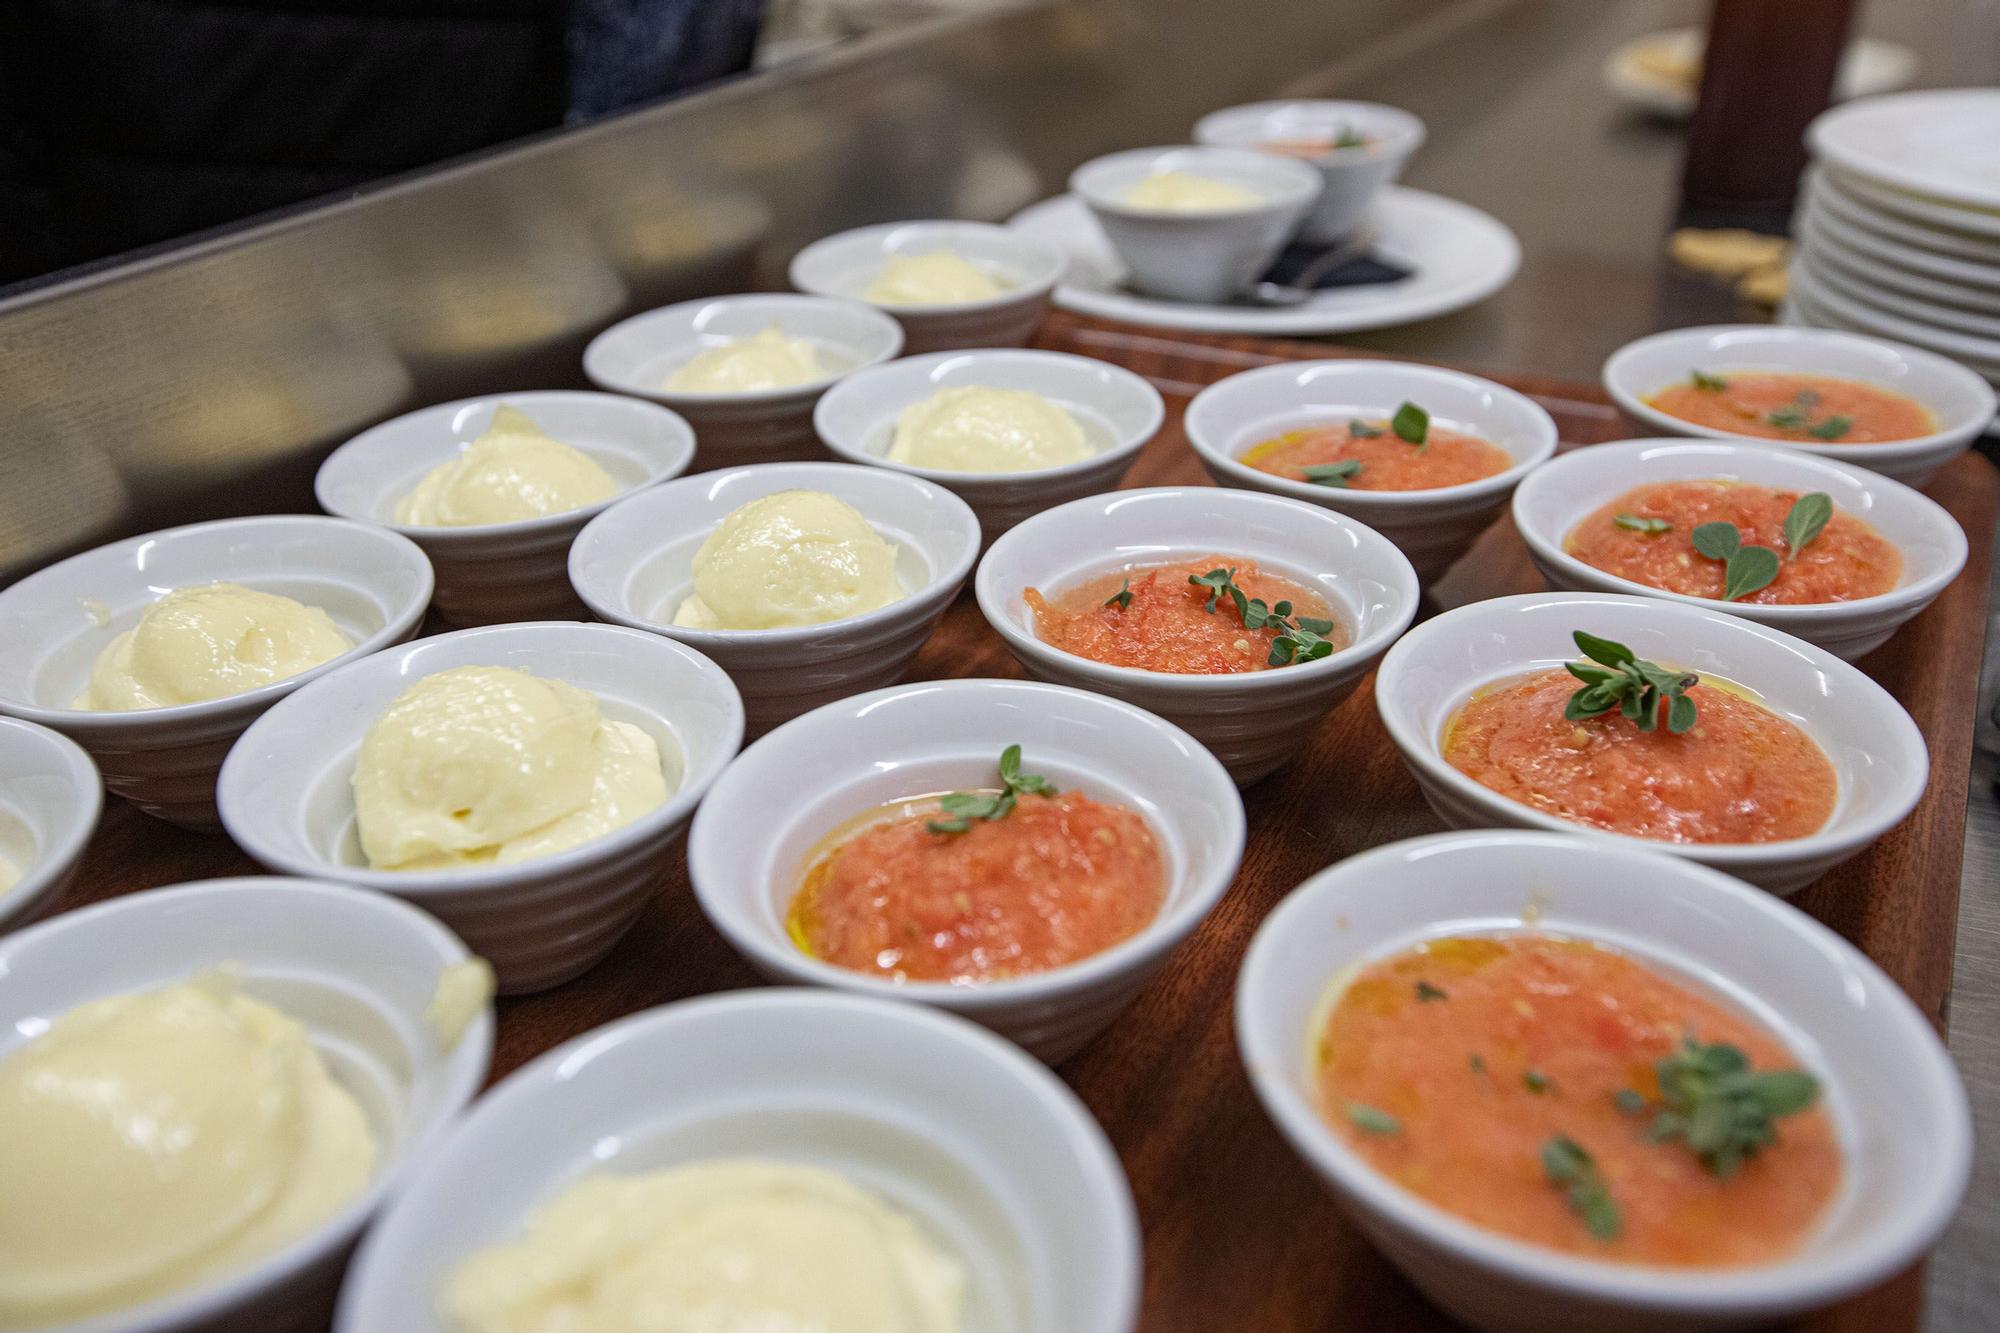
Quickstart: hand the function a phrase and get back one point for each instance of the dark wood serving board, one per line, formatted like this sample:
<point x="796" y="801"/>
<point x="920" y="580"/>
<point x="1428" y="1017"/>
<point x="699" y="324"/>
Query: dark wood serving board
<point x="1239" y="1235"/>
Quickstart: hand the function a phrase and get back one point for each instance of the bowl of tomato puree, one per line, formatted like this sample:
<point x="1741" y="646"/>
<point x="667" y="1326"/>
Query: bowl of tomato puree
<point x="1880" y="405"/>
<point x="1778" y="762"/>
<point x="1622" y="517"/>
<point x="1022" y="854"/>
<point x="1427" y="457"/>
<point x="1124" y="594"/>
<point x="1493" y="1047"/>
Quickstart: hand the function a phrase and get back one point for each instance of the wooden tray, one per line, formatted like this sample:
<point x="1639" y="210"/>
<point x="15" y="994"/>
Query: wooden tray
<point x="1239" y="1235"/>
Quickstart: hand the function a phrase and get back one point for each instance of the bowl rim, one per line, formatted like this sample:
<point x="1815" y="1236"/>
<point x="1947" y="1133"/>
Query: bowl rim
<point x="1244" y="477"/>
<point x="252" y="837"/>
<point x="1103" y="1178"/>
<point x="680" y="453"/>
<point x="1617" y="373"/>
<point x="78" y="825"/>
<point x="945" y="582"/>
<point x="1910" y="598"/>
<point x="1700" y="1289"/>
<point x="1403" y="141"/>
<point x="96" y="722"/>
<point x="1300" y="183"/>
<point x="1355" y="656"/>
<point x="785" y="395"/>
<point x="1125" y="446"/>
<point x="1838" y="839"/>
<point x="1049" y="263"/>
<point x="1159" y="936"/>
<point x="467" y="1062"/>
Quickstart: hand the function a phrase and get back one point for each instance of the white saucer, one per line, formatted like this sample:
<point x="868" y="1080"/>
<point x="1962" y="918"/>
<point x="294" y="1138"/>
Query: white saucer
<point x="1832" y="193"/>
<point x="1458" y="256"/>
<point x="1943" y="144"/>
<point x="1844" y="310"/>
<point x="1820" y="229"/>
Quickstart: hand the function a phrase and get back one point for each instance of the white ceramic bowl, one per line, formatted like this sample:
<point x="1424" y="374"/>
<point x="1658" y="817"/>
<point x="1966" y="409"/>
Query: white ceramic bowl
<point x="635" y="356"/>
<point x="1432" y="527"/>
<point x="1252" y="721"/>
<point x="1876" y="750"/>
<point x="1119" y="413"/>
<point x="356" y="969"/>
<point x="50" y="797"/>
<point x="1889" y="1085"/>
<point x="633" y="565"/>
<point x="502" y="571"/>
<point x="986" y="1150"/>
<point x="374" y="583"/>
<point x="1555" y="498"/>
<point x="287" y="795"/>
<point x="845" y="264"/>
<point x="1352" y="177"/>
<point x="767" y="816"/>
<point x="1205" y="256"/>
<point x="1962" y="402"/>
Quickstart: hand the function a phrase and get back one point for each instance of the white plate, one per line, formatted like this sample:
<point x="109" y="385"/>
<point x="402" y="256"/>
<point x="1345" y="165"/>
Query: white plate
<point x="1800" y="312"/>
<point x="1944" y="143"/>
<point x="1981" y="354"/>
<point x="1458" y="254"/>
<point x="1842" y="275"/>
<point x="1832" y="194"/>
<point x="1969" y="281"/>
<point x="1869" y="67"/>
<point x="1975" y="222"/>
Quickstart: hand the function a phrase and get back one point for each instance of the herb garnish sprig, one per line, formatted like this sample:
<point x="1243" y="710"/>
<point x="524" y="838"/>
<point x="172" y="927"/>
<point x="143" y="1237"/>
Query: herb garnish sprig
<point x="1299" y="638"/>
<point x="963" y="807"/>
<point x="1575" y="1172"/>
<point x="1725" y="1110"/>
<point x="1333" y="474"/>
<point x="1122" y="599"/>
<point x="1797" y="415"/>
<point x="1641" y="523"/>
<point x="1615" y="678"/>
<point x="1707" y="383"/>
<point x="1412" y="425"/>
<point x="1746" y="569"/>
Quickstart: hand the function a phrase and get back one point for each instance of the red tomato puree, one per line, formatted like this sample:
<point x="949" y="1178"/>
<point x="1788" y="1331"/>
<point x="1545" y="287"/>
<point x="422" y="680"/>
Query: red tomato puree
<point x="1813" y="408"/>
<point x="1457" y="1064"/>
<point x="1848" y="559"/>
<point x="1741" y="774"/>
<point x="1057" y="880"/>
<point x="1388" y="462"/>
<point x="1167" y="626"/>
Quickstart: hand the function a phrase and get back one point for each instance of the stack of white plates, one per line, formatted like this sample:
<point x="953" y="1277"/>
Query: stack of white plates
<point x="1899" y="232"/>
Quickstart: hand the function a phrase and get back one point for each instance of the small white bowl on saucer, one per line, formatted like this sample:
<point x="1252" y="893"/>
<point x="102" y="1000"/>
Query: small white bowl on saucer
<point x="1028" y="270"/>
<point x="1962" y="402"/>
<point x="1553" y="499"/>
<point x="634" y="566"/>
<point x="1252" y="721"/>
<point x="637" y="355"/>
<point x="1890" y="1087"/>
<point x="1352" y="176"/>
<point x="1118" y="411"/>
<point x="50" y="798"/>
<point x="1432" y="527"/>
<point x="375" y="584"/>
<point x="1877" y="753"/>
<point x="358" y="970"/>
<point x="287" y="790"/>
<point x="502" y="571"/>
<point x="1209" y="255"/>
<point x="986" y="1151"/>
<point x="771" y="813"/>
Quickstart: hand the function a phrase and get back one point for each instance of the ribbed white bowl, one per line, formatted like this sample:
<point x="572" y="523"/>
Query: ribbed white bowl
<point x="50" y="797"/>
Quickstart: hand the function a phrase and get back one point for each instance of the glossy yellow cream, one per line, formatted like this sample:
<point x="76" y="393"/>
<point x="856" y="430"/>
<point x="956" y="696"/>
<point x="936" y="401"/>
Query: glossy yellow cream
<point x="1185" y="192"/>
<point x="770" y="360"/>
<point x="463" y="991"/>
<point x="790" y="558"/>
<point x="153" y="1140"/>
<point x="721" y="1246"/>
<point x="976" y="429"/>
<point x="511" y="473"/>
<point x="208" y="641"/>
<point x="938" y="278"/>
<point x="485" y="765"/>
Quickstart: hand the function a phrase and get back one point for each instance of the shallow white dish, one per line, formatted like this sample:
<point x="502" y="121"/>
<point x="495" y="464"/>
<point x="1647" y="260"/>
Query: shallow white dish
<point x="1943" y="143"/>
<point x="1551" y="502"/>
<point x="1835" y="194"/>
<point x="1890" y="1086"/>
<point x="1252" y="721"/>
<point x="985" y="1149"/>
<point x="1432" y="527"/>
<point x="1961" y="224"/>
<point x="1118" y="411"/>
<point x="636" y="356"/>
<point x="287" y="795"/>
<point x="1869" y="66"/>
<point x="50" y="798"/>
<point x="769" y="815"/>
<point x="1839" y="310"/>
<point x="633" y="566"/>
<point x="846" y="263"/>
<point x="1962" y="403"/>
<point x="375" y="584"/>
<point x="1458" y="256"/>
<point x="1890" y="258"/>
<point x="501" y="571"/>
<point x="1877" y="753"/>
<point x="1826" y="273"/>
<point x="356" y="969"/>
<point x="1351" y="178"/>
<point x="1832" y="244"/>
